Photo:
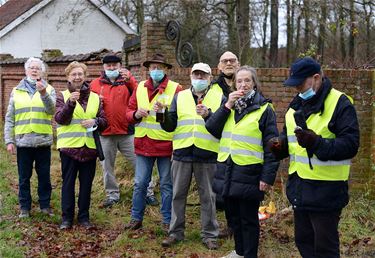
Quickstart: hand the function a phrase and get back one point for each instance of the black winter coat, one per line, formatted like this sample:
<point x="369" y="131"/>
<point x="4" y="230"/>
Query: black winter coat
<point x="232" y="180"/>
<point x="318" y="195"/>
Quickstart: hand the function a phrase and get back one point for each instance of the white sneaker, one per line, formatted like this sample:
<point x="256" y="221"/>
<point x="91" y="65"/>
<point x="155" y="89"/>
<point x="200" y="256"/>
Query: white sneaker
<point x="233" y="254"/>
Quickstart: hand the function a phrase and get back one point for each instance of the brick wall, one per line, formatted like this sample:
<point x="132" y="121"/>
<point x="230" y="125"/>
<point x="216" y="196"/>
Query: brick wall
<point x="359" y="84"/>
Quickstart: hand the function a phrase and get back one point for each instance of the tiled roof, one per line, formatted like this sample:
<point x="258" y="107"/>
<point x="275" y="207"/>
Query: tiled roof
<point x="13" y="9"/>
<point x="93" y="56"/>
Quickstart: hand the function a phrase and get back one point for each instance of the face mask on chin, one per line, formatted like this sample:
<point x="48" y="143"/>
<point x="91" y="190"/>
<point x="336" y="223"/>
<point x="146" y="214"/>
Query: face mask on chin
<point x="112" y="74"/>
<point x="199" y="85"/>
<point x="30" y="80"/>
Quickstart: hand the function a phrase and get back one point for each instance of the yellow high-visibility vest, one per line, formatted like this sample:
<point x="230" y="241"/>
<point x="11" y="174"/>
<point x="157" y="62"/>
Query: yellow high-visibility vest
<point x="299" y="162"/>
<point x="148" y="125"/>
<point x="30" y="113"/>
<point x="243" y="141"/>
<point x="75" y="135"/>
<point x="191" y="126"/>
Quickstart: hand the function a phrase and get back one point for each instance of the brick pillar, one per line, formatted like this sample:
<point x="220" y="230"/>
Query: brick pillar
<point x="153" y="41"/>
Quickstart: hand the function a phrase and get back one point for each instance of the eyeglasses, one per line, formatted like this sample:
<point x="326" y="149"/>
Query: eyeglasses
<point x="35" y="68"/>
<point x="231" y="60"/>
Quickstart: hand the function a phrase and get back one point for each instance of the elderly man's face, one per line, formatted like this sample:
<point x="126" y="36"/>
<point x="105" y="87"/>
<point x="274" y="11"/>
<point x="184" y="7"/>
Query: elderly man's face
<point x="34" y="71"/>
<point x="157" y="66"/>
<point x="228" y="63"/>
<point x="112" y="66"/>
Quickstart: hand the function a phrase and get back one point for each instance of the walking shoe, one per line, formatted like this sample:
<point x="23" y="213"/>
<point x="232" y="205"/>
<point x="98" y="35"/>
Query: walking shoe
<point x="47" y="211"/>
<point x="169" y="241"/>
<point x="165" y="228"/>
<point x="133" y="225"/>
<point x="233" y="254"/>
<point x="108" y="203"/>
<point x="24" y="214"/>
<point x="65" y="225"/>
<point x="211" y="244"/>
<point x="152" y="201"/>
<point x="86" y="224"/>
<point x="225" y="233"/>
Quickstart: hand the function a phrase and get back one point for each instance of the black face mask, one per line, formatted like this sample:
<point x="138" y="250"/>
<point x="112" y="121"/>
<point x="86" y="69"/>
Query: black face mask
<point x="228" y="76"/>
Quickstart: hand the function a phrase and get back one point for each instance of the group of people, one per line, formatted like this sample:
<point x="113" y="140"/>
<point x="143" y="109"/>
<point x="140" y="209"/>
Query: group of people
<point x="223" y="132"/>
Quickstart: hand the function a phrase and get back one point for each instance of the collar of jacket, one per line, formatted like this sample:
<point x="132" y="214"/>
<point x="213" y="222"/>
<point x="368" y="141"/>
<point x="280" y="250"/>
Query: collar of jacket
<point x="84" y="91"/>
<point x="163" y="84"/>
<point x="316" y="103"/>
<point x="22" y="85"/>
<point x="119" y="80"/>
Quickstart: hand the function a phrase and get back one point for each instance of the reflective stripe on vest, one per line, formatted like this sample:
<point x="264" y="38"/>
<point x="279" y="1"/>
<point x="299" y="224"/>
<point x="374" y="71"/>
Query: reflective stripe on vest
<point x="30" y="114"/>
<point x="191" y="126"/>
<point x="243" y="141"/>
<point x="148" y="126"/>
<point x="322" y="170"/>
<point x="75" y="135"/>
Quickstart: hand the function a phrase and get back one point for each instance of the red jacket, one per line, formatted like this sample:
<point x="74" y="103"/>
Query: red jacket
<point x="146" y="146"/>
<point x="115" y="98"/>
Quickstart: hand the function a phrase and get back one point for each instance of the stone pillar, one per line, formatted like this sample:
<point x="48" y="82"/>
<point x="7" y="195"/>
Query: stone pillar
<point x="153" y="41"/>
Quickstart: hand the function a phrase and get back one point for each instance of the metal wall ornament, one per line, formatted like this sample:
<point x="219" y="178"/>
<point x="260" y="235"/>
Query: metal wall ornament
<point x="184" y="52"/>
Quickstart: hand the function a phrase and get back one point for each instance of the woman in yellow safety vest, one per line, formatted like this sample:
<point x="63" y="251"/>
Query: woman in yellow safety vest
<point x="246" y="167"/>
<point x="78" y="114"/>
<point x="28" y="130"/>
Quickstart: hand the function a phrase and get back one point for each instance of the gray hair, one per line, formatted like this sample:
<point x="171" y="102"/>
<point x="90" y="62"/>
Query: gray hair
<point x="37" y="60"/>
<point x="253" y="73"/>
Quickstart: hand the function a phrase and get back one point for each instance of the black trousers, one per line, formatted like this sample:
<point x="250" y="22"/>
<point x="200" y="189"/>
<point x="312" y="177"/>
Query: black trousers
<point x="70" y="169"/>
<point x="316" y="233"/>
<point x="243" y="219"/>
<point x="26" y="157"/>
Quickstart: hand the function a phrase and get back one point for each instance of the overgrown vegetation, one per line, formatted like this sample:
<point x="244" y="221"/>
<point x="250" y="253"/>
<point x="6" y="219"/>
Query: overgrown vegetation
<point x="39" y="235"/>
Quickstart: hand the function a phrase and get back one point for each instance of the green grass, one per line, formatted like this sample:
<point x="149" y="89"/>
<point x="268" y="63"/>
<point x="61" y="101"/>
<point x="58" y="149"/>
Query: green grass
<point x="39" y="235"/>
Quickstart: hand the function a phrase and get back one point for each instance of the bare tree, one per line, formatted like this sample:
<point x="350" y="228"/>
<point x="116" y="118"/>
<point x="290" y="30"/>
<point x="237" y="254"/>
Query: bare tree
<point x="274" y="32"/>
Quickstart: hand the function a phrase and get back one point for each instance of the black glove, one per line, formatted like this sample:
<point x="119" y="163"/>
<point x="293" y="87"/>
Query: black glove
<point x="278" y="148"/>
<point x="306" y="138"/>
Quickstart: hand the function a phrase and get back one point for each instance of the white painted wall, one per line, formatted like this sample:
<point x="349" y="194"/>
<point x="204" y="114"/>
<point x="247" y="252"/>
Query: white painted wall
<point x="73" y="26"/>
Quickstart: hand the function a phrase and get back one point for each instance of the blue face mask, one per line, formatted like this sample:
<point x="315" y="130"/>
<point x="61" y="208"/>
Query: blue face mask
<point x="157" y="75"/>
<point x="31" y="81"/>
<point x="112" y="74"/>
<point x="307" y="94"/>
<point x="199" y="85"/>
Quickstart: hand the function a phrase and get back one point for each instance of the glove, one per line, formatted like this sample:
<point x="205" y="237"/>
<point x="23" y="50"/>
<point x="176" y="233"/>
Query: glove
<point x="278" y="148"/>
<point x="306" y="138"/>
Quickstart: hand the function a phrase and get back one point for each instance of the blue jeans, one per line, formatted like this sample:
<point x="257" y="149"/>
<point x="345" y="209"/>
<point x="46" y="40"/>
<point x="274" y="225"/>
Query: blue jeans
<point x="143" y="172"/>
<point x="25" y="162"/>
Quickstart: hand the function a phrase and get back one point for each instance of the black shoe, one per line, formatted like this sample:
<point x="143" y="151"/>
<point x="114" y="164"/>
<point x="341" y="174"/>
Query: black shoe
<point x="66" y="225"/>
<point x="133" y="225"/>
<point x="152" y="201"/>
<point x="86" y="224"/>
<point x="108" y="203"/>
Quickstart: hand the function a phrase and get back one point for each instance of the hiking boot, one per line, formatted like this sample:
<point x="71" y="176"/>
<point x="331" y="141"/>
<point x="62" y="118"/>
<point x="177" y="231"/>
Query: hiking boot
<point x="66" y="224"/>
<point x="108" y="203"/>
<point x="233" y="254"/>
<point x="225" y="233"/>
<point x="133" y="225"/>
<point x="169" y="241"/>
<point x="24" y="214"/>
<point x="165" y="228"/>
<point x="211" y="244"/>
<point x="47" y="211"/>
<point x="152" y="201"/>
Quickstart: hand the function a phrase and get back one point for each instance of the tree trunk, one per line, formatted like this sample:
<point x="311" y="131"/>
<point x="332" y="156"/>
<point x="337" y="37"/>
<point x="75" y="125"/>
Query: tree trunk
<point x="231" y="26"/>
<point x="243" y="27"/>
<point x="274" y="32"/>
<point x="264" y="39"/>
<point x="306" y="14"/>
<point x="342" y="35"/>
<point x="289" y="31"/>
<point x="140" y="15"/>
<point x="322" y="30"/>
<point x="353" y="32"/>
<point x="297" y="46"/>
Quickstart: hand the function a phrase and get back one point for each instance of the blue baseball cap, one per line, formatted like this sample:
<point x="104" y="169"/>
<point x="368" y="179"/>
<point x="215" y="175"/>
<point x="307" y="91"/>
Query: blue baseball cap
<point x="300" y="70"/>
